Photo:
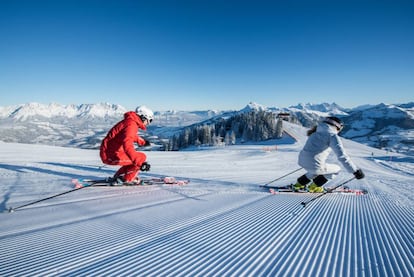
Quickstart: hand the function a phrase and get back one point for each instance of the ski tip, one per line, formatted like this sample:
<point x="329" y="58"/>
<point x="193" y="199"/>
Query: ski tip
<point x="273" y="191"/>
<point x="78" y="185"/>
<point x="173" y="181"/>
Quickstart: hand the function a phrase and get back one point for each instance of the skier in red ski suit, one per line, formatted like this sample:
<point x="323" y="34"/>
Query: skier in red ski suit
<point x="117" y="148"/>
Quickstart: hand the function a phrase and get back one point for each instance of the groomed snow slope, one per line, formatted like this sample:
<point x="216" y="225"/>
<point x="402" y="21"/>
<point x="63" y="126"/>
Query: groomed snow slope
<point x="221" y="224"/>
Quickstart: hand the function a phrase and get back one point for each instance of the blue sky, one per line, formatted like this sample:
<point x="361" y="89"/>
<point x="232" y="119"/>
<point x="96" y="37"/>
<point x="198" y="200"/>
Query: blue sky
<point x="206" y="54"/>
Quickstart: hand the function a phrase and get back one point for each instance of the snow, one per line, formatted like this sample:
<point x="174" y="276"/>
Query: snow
<point x="252" y="106"/>
<point x="220" y="224"/>
<point x="26" y="111"/>
<point x="323" y="109"/>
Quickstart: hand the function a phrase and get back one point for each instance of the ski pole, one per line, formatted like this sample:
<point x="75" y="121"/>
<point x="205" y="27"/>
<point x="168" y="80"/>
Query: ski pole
<point x="11" y="209"/>
<point x="328" y="191"/>
<point x="281" y="177"/>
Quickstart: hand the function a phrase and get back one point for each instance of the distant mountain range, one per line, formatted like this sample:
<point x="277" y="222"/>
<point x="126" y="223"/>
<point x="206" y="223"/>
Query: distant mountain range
<point x="385" y="126"/>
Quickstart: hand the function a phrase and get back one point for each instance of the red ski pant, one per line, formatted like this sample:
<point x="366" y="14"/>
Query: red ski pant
<point x="129" y="170"/>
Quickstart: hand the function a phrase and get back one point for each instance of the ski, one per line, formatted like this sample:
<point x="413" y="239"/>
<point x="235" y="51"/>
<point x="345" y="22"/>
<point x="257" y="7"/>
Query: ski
<point x="277" y="189"/>
<point x="346" y="189"/>
<point x="84" y="183"/>
<point x="285" y="189"/>
<point x="110" y="182"/>
<point x="288" y="189"/>
<point x="304" y="203"/>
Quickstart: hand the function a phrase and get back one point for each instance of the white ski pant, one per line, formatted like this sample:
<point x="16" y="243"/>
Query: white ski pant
<point x="315" y="166"/>
<point x="329" y="171"/>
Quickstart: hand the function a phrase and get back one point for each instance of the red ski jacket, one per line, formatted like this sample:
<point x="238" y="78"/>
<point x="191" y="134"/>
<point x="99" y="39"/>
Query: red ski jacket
<point x="118" y="145"/>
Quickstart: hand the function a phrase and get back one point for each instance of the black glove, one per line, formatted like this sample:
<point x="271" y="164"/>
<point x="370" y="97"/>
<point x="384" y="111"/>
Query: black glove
<point x="145" y="166"/>
<point x="359" y="174"/>
<point x="147" y="143"/>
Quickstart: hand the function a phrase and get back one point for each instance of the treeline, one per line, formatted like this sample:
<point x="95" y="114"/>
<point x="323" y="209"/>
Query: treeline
<point x="251" y="126"/>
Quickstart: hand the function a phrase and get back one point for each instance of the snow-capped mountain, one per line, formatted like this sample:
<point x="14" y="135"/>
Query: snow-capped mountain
<point x="36" y="111"/>
<point x="72" y="125"/>
<point x="252" y="106"/>
<point x="182" y="118"/>
<point x="323" y="108"/>
<point x="32" y="111"/>
<point x="383" y="126"/>
<point x="83" y="125"/>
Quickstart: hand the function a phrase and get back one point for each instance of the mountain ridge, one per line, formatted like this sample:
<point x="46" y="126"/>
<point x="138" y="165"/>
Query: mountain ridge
<point x="387" y="126"/>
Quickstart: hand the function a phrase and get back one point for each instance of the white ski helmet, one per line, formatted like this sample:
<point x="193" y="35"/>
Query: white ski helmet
<point x="145" y="113"/>
<point x="334" y="121"/>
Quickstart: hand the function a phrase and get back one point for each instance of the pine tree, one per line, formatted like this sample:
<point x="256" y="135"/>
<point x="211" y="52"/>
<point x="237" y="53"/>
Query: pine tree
<point x="279" y="128"/>
<point x="251" y="126"/>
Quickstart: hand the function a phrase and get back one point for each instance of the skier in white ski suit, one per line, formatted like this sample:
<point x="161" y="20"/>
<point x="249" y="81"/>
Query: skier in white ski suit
<point x="314" y="154"/>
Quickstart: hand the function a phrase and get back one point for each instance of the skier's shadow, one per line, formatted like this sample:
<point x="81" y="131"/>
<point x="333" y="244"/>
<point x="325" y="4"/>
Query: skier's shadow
<point x="6" y="199"/>
<point x="29" y="169"/>
<point x="24" y="169"/>
<point x="96" y="168"/>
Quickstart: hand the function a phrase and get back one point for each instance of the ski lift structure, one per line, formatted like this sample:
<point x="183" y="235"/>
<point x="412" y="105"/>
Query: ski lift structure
<point x="279" y="123"/>
<point x="283" y="116"/>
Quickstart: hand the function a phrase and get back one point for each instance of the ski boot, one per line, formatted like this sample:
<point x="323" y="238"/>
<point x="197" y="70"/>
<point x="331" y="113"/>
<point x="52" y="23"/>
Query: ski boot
<point x="313" y="188"/>
<point x="298" y="187"/>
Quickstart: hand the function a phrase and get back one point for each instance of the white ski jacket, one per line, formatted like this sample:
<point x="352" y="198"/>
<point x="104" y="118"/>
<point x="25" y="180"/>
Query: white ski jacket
<point x="317" y="149"/>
